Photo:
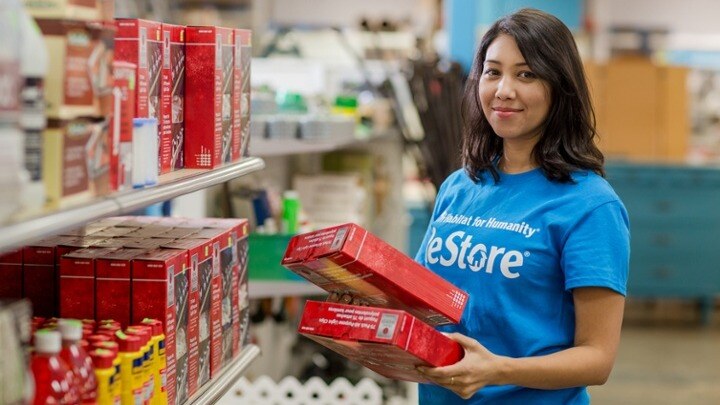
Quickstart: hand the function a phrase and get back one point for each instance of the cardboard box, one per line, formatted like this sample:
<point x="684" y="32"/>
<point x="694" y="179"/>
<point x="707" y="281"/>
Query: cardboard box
<point x="11" y="274"/>
<point x="245" y="38"/>
<point x="174" y="90"/>
<point x="140" y="42"/>
<point x="160" y="291"/>
<point x="112" y="285"/>
<point x="121" y="129"/>
<point x="79" y="62"/>
<point x="200" y="268"/>
<point x="77" y="283"/>
<point x="349" y="259"/>
<point x="389" y="342"/>
<point x="208" y="83"/>
<point x="87" y="10"/>
<point x="239" y="298"/>
<point x="76" y="162"/>
<point x="220" y="316"/>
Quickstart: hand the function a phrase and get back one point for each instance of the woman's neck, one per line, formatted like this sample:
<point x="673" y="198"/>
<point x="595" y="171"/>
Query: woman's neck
<point x="516" y="158"/>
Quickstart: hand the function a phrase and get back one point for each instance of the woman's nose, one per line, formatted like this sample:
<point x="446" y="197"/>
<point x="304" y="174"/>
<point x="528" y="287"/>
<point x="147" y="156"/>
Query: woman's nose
<point x="505" y="89"/>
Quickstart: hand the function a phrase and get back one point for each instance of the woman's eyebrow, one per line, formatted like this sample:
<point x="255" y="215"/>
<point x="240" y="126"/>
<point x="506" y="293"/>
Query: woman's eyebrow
<point x="498" y="62"/>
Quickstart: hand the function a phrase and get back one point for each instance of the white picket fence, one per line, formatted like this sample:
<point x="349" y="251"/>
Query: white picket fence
<point x="289" y="391"/>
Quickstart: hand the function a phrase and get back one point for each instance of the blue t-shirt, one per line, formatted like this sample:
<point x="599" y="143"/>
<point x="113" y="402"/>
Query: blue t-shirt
<point x="518" y="248"/>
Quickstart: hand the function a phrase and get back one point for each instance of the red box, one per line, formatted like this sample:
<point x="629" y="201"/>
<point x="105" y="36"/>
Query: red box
<point x="11" y="274"/>
<point x="160" y="291"/>
<point x="174" y="90"/>
<point x="41" y="279"/>
<point x="220" y="302"/>
<point x="349" y="259"/>
<point x="241" y="89"/>
<point x="140" y="42"/>
<point x="112" y="285"/>
<point x="239" y="297"/>
<point x="77" y="283"/>
<point x="387" y="341"/>
<point x="208" y="84"/>
<point x="200" y="268"/>
<point x="121" y="129"/>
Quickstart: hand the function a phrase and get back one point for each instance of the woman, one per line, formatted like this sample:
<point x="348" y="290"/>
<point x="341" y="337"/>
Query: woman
<point x="529" y="228"/>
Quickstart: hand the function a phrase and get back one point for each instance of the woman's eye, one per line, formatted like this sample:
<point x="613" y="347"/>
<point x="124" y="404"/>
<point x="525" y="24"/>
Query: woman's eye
<point x="527" y="75"/>
<point x="491" y="72"/>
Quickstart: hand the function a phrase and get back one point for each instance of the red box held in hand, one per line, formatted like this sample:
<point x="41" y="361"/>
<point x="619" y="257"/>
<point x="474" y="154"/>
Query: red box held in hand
<point x="349" y="259"/>
<point x="389" y="342"/>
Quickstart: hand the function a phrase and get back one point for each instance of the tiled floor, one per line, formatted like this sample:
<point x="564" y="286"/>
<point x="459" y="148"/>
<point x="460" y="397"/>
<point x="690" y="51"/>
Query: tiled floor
<point x="664" y="365"/>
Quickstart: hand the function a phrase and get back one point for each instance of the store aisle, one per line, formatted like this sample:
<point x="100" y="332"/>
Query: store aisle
<point x="664" y="365"/>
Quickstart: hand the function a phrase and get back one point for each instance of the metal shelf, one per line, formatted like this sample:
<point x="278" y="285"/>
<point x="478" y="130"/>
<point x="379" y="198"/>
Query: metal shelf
<point x="272" y="289"/>
<point x="211" y="392"/>
<point x="27" y="227"/>
<point x="265" y="147"/>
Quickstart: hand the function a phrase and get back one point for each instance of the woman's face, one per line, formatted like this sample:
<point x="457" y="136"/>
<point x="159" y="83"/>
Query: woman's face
<point x="514" y="100"/>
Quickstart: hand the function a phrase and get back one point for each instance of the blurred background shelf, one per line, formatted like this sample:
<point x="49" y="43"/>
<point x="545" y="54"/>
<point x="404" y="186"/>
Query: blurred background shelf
<point x="277" y="289"/>
<point x="267" y="147"/>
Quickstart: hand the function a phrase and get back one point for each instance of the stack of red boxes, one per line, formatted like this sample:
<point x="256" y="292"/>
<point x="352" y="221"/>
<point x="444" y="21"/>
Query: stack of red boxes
<point x="188" y="273"/>
<point x="390" y="330"/>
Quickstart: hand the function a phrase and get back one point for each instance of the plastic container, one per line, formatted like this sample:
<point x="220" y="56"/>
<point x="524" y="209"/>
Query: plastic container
<point x="77" y="358"/>
<point x="131" y="358"/>
<point x="290" y="212"/>
<point x="54" y="382"/>
<point x="145" y="335"/>
<point x="105" y="375"/>
<point x="160" y="364"/>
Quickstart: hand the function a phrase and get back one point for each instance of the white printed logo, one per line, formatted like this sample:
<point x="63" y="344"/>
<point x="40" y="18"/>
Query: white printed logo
<point x="458" y="249"/>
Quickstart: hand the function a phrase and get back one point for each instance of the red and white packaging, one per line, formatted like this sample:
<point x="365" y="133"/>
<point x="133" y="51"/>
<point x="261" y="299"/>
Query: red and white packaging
<point x="121" y="129"/>
<point x="241" y="93"/>
<point x="387" y="341"/>
<point x="220" y="321"/>
<point x="77" y="283"/>
<point x="200" y="269"/>
<point x="160" y="291"/>
<point x="11" y="274"/>
<point x="112" y="285"/>
<point x="208" y="85"/>
<point x="349" y="259"/>
<point x="239" y="298"/>
<point x="174" y="91"/>
<point x="140" y="42"/>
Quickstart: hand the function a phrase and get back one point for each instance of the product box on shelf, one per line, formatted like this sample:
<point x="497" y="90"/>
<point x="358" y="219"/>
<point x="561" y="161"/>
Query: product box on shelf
<point x="220" y="319"/>
<point x="86" y="10"/>
<point x="121" y="125"/>
<point x="140" y="42"/>
<point x="239" y="298"/>
<point x="242" y="89"/>
<point x="208" y="83"/>
<point x="76" y="161"/>
<point x="180" y="232"/>
<point x="160" y="291"/>
<point x="200" y="263"/>
<point x="77" y="283"/>
<point x="112" y="285"/>
<point x="174" y="90"/>
<point x="11" y="272"/>
<point x="387" y="341"/>
<point x="80" y="60"/>
<point x="349" y="259"/>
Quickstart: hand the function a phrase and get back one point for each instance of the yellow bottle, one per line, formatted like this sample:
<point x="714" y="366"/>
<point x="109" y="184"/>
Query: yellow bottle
<point x="131" y="369"/>
<point x="160" y="360"/>
<point x="145" y="335"/>
<point x="116" y="382"/>
<point x="105" y="373"/>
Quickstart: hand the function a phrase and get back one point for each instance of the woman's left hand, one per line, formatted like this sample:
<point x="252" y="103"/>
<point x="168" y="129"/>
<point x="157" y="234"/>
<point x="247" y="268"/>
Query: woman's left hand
<point x="477" y="369"/>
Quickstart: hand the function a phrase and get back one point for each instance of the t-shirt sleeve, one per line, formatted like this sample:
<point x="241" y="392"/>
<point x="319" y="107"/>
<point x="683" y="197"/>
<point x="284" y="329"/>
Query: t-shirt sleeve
<point x="596" y="252"/>
<point x="420" y="255"/>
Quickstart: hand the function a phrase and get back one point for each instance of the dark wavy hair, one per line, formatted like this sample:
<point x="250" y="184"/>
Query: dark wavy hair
<point x="567" y="142"/>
